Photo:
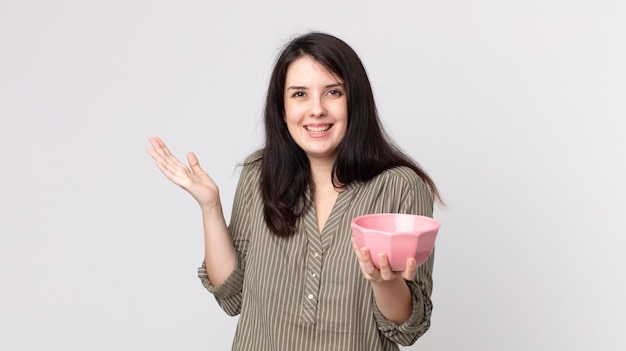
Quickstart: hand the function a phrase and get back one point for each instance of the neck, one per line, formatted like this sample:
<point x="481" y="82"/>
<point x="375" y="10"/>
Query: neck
<point x="321" y="173"/>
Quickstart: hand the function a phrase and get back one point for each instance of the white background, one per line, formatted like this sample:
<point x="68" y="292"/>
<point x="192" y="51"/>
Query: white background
<point x="516" y="108"/>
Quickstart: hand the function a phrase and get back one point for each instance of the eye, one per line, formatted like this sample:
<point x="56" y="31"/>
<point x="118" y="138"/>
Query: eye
<point x="335" y="92"/>
<point x="298" y="93"/>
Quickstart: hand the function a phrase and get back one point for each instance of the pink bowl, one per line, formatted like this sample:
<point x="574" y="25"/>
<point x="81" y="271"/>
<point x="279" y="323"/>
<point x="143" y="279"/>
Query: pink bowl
<point x="399" y="236"/>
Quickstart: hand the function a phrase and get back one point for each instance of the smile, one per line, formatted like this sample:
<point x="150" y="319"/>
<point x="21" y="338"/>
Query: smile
<point x="318" y="129"/>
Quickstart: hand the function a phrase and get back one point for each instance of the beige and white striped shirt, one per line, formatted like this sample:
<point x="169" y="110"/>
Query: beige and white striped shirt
<point x="306" y="292"/>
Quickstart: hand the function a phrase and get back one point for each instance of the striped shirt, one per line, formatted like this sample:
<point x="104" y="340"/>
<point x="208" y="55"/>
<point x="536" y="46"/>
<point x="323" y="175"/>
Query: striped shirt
<point x="306" y="292"/>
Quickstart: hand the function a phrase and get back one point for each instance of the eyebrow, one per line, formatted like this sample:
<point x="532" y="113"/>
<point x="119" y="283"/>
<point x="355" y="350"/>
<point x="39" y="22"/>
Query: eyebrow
<point x="297" y="87"/>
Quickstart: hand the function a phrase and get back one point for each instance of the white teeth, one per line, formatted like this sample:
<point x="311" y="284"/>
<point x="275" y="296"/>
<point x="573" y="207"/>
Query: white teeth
<point x="319" y="129"/>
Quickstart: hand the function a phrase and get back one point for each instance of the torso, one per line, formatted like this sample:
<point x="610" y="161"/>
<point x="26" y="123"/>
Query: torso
<point x="306" y="292"/>
<point x="324" y="199"/>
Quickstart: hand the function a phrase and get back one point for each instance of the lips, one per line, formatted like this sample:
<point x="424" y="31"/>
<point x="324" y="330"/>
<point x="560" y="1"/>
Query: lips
<point x="318" y="129"/>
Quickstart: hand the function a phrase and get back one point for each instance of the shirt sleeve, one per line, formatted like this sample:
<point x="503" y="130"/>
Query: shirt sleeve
<point x="229" y="293"/>
<point x="414" y="198"/>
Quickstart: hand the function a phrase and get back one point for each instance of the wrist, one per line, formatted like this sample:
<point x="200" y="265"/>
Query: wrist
<point x="395" y="283"/>
<point x="211" y="210"/>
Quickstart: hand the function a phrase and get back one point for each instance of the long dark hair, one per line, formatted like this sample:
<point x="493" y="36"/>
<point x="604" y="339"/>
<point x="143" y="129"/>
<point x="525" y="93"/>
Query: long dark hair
<point x="365" y="151"/>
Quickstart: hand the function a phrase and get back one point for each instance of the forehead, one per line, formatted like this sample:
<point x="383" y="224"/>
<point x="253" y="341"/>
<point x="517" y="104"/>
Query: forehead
<point x="306" y="69"/>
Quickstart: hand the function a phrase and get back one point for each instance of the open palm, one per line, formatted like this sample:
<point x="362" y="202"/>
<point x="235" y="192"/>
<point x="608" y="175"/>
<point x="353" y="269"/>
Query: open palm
<point x="191" y="178"/>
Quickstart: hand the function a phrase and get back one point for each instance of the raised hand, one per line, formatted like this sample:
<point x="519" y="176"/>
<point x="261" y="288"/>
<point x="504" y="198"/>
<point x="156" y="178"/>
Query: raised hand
<point x="191" y="178"/>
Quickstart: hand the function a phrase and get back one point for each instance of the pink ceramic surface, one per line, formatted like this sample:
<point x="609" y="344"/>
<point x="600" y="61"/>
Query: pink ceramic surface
<point x="399" y="236"/>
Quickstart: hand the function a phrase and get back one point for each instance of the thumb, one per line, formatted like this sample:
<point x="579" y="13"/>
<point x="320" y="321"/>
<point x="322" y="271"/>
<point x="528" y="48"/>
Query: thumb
<point x="193" y="163"/>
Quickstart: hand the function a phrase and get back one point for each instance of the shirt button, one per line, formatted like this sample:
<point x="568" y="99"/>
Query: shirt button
<point x="313" y="274"/>
<point x="310" y="296"/>
<point x="316" y="255"/>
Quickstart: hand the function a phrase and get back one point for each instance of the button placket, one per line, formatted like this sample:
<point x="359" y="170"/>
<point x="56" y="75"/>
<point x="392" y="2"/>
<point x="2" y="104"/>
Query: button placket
<point x="313" y="268"/>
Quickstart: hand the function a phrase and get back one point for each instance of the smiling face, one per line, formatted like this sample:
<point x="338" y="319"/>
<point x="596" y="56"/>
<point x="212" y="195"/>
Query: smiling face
<point x="316" y="108"/>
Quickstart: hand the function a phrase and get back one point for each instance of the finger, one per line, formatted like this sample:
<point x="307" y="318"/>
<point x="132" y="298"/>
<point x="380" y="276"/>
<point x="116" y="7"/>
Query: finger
<point x="194" y="163"/>
<point x="166" y="171"/>
<point x="157" y="144"/>
<point x="161" y="149"/>
<point x="175" y="171"/>
<point x="168" y="166"/>
<point x="154" y="143"/>
<point x="154" y="140"/>
<point x="411" y="269"/>
<point x="361" y="253"/>
<point x="355" y="247"/>
<point x="161" y="154"/>
<point x="158" y="156"/>
<point x="385" y="269"/>
<point x="366" y="263"/>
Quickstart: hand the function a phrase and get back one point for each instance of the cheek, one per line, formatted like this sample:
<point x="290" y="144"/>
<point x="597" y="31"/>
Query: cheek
<point x="291" y="124"/>
<point x="289" y="119"/>
<point x="293" y="114"/>
<point x="343" y="132"/>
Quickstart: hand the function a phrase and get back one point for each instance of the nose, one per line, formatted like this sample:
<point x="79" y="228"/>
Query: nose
<point x="318" y="107"/>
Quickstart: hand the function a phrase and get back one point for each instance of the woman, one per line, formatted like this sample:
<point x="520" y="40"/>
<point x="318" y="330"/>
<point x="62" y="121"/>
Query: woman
<point x="284" y="262"/>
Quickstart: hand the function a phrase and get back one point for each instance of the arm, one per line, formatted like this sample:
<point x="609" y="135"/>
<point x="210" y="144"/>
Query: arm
<point x="402" y="305"/>
<point x="220" y="257"/>
<point x="229" y="292"/>
<point x="392" y="294"/>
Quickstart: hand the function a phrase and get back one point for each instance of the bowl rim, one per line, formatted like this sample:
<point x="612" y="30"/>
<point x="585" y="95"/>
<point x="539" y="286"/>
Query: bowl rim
<point x="435" y="224"/>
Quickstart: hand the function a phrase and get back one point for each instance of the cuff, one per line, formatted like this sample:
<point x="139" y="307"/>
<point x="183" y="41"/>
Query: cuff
<point x="416" y="322"/>
<point x="230" y="287"/>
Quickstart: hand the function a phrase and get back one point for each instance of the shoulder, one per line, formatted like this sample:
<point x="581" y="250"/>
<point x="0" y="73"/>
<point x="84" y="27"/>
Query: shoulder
<point x="251" y="170"/>
<point x="253" y="158"/>
<point x="252" y="162"/>
<point x="401" y="181"/>
<point x="397" y="190"/>
<point x="401" y="176"/>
